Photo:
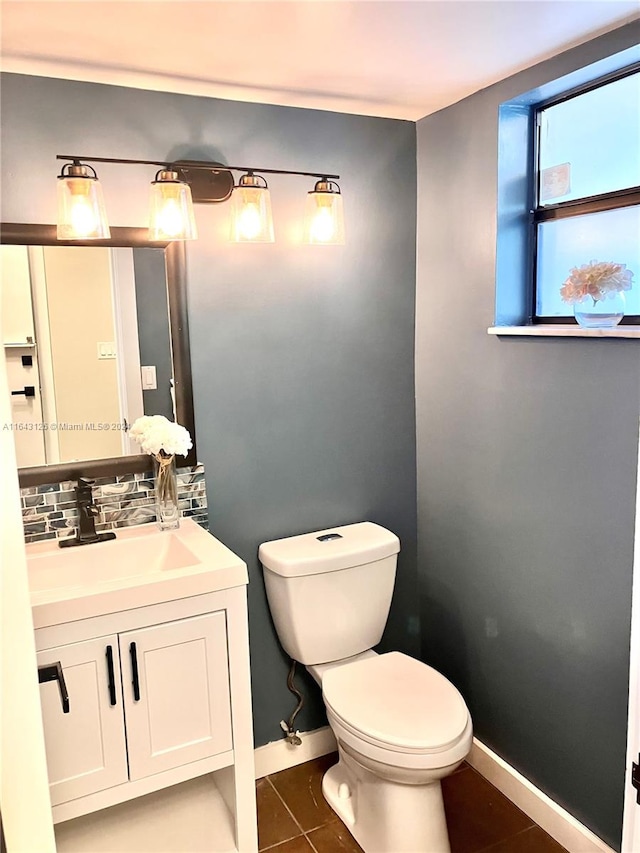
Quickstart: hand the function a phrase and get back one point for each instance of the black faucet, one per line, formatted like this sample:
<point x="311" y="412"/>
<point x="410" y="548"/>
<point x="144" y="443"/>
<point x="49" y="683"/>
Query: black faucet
<point x="87" y="512"/>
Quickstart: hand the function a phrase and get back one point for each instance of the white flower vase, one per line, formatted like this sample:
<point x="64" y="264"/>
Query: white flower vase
<point x="605" y="312"/>
<point x="166" y="491"/>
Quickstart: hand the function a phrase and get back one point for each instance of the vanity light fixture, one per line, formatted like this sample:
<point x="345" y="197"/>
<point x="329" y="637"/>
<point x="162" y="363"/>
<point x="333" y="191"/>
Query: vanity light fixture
<point x="81" y="210"/>
<point x="181" y="183"/>
<point x="171" y="214"/>
<point x="324" y="223"/>
<point x="251" y="220"/>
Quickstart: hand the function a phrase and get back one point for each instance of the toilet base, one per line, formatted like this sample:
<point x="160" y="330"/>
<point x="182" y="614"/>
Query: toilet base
<point x="385" y="816"/>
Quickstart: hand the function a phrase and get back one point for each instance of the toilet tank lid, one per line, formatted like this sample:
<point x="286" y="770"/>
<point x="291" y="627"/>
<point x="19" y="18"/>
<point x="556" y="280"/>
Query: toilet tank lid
<point x="328" y="550"/>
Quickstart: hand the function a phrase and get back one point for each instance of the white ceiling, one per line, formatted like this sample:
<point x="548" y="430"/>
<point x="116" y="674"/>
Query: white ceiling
<point x="398" y="59"/>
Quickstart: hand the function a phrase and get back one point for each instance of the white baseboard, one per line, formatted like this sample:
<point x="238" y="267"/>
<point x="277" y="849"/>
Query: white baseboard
<point x="555" y="820"/>
<point x="279" y="754"/>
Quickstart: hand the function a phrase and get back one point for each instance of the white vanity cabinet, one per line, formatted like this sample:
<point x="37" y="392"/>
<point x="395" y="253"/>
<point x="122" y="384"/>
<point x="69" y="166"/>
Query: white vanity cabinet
<point x="170" y="683"/>
<point x="157" y="673"/>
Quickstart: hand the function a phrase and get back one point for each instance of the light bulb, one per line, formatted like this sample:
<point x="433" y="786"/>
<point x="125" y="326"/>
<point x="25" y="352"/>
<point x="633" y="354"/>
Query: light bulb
<point x="170" y="218"/>
<point x="250" y="223"/>
<point x="323" y="226"/>
<point x="83" y="218"/>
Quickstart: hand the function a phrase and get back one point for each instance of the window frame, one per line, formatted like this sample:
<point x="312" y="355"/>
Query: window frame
<point x="627" y="197"/>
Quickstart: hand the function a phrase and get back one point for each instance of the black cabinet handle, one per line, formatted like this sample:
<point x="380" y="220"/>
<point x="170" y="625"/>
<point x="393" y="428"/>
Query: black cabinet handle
<point x="53" y="672"/>
<point x="112" y="678"/>
<point x="134" y="667"/>
<point x="27" y="391"/>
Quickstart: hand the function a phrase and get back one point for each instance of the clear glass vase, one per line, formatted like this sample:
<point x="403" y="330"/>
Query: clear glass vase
<point x="166" y="491"/>
<point x="605" y="312"/>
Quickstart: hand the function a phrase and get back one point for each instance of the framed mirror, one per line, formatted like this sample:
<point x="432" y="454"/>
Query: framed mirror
<point x="82" y="378"/>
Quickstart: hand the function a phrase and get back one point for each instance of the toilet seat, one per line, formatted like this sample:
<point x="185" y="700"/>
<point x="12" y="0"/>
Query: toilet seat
<point x="396" y="704"/>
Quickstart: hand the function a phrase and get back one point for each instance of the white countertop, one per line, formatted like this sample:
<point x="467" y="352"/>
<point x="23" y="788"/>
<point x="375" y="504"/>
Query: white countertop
<point x="142" y="566"/>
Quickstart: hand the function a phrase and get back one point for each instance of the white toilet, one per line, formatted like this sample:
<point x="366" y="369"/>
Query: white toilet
<point x="400" y="725"/>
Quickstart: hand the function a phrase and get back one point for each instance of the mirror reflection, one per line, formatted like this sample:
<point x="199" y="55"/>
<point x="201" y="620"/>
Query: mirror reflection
<point x="88" y="348"/>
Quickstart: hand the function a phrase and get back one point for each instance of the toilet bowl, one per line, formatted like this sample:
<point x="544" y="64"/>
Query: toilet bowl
<point x="400" y="725"/>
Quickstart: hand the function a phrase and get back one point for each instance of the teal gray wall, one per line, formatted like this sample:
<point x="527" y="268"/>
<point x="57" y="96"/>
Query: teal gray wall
<point x="154" y="337"/>
<point x="527" y="454"/>
<point x="302" y="355"/>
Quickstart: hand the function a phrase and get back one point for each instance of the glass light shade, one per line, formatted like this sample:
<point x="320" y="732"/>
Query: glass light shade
<point x="171" y="214"/>
<point x="251" y="220"/>
<point x="324" y="218"/>
<point x="81" y="210"/>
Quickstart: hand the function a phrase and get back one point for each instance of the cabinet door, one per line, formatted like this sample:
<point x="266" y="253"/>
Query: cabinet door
<point x="176" y="688"/>
<point x="86" y="749"/>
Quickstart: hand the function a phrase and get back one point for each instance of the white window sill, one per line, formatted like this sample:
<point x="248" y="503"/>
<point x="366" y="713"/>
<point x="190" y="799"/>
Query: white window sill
<point x="558" y="331"/>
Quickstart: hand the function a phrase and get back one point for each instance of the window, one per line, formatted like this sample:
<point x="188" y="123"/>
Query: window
<point x="587" y="191"/>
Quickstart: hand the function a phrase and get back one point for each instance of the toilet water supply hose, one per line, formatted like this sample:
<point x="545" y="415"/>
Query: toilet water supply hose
<point x="291" y="735"/>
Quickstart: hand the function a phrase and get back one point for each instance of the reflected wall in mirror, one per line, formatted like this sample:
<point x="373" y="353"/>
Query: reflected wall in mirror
<point x="88" y="329"/>
<point x="95" y="335"/>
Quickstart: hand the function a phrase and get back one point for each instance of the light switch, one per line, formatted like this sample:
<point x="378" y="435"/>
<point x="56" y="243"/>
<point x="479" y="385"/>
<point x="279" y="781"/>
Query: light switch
<point x="106" y="349"/>
<point x="149" y="378"/>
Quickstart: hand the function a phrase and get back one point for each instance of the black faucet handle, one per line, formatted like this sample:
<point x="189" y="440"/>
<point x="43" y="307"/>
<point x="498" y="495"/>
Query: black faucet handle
<point x="87" y="511"/>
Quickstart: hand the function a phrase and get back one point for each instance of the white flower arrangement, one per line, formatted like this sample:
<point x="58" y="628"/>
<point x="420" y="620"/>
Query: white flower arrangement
<point x="163" y="439"/>
<point x="159" y="437"/>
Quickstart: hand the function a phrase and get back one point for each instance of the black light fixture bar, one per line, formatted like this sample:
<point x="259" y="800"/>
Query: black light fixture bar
<point x="195" y="164"/>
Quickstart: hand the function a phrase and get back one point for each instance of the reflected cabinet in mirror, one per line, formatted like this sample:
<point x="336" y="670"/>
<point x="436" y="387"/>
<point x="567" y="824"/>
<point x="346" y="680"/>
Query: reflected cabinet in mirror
<point x="95" y="335"/>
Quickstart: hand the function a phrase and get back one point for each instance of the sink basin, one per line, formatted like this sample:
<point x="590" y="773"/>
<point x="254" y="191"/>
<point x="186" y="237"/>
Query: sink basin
<point x="106" y="561"/>
<point x="142" y="566"/>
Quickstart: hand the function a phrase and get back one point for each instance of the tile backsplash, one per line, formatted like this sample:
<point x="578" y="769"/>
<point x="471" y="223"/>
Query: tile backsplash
<point x="49" y="512"/>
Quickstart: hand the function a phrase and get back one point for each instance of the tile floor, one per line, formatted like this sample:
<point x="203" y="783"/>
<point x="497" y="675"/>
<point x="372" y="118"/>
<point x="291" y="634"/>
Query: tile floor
<point x="293" y="816"/>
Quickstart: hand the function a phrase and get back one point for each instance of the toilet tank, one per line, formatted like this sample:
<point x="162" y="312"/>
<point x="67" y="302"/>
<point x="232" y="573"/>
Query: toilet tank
<point x="330" y="591"/>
